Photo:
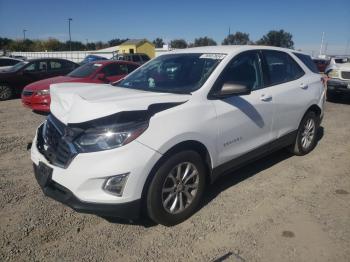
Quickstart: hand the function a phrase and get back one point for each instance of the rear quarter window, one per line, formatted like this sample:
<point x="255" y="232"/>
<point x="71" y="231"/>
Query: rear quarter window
<point x="307" y="61"/>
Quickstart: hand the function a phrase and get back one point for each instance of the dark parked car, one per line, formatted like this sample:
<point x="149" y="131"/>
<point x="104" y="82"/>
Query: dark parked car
<point x="321" y="64"/>
<point x="139" y="58"/>
<point x="17" y="77"/>
<point x="92" y="58"/>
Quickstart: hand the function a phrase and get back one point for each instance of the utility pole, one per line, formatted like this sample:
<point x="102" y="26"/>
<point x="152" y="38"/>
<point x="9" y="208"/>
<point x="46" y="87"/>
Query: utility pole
<point x="321" y="44"/>
<point x="24" y="34"/>
<point x="70" y="38"/>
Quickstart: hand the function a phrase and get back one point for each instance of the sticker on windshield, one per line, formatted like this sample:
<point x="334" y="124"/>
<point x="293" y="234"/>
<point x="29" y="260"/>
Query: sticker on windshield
<point x="213" y="56"/>
<point x="97" y="64"/>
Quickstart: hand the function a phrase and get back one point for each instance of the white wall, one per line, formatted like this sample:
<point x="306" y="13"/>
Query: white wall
<point x="75" y="56"/>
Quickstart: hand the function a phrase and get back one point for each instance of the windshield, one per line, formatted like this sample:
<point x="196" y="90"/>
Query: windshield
<point x="173" y="73"/>
<point x="85" y="70"/>
<point x="17" y="66"/>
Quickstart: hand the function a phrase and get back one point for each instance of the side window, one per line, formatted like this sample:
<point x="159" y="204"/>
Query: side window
<point x="281" y="67"/>
<point x="131" y="68"/>
<point x="308" y="62"/>
<point x="42" y="66"/>
<point x="13" y="62"/>
<point x="114" y="70"/>
<point x="30" y="67"/>
<point x="55" y="65"/>
<point x="244" y="69"/>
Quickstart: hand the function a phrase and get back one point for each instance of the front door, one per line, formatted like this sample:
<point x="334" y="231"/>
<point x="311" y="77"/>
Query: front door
<point x="244" y="122"/>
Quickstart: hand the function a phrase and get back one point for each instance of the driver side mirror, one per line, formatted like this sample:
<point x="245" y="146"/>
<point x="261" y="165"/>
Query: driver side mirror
<point x="233" y="89"/>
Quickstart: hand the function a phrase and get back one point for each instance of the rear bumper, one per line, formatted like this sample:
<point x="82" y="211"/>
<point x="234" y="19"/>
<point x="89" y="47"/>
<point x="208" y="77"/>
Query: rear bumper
<point x="338" y="86"/>
<point x="37" y="103"/>
<point x="128" y="210"/>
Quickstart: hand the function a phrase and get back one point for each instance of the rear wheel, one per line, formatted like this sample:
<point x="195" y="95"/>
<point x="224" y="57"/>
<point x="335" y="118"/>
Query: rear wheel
<point x="6" y="92"/>
<point x="307" y="134"/>
<point x="176" y="189"/>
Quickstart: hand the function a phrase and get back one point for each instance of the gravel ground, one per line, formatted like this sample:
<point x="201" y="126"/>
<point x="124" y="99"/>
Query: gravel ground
<point x="280" y="208"/>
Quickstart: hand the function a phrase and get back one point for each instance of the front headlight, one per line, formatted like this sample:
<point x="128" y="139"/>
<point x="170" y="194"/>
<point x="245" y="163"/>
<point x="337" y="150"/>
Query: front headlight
<point x="43" y="92"/>
<point x="334" y="73"/>
<point x="109" y="137"/>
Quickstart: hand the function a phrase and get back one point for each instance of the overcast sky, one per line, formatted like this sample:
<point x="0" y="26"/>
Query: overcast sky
<point x="104" y="20"/>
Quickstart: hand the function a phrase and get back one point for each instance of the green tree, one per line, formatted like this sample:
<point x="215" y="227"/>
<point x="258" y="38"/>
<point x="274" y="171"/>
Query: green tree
<point x="239" y="38"/>
<point x="91" y="46"/>
<point x="5" y="43"/>
<point x="277" y="38"/>
<point x="178" y="43"/>
<point x="116" y="41"/>
<point x="204" y="41"/>
<point x="52" y="44"/>
<point x="158" y="42"/>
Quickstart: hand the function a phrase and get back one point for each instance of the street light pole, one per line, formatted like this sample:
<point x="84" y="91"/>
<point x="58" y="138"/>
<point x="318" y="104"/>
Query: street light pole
<point x="24" y="34"/>
<point x="70" y="38"/>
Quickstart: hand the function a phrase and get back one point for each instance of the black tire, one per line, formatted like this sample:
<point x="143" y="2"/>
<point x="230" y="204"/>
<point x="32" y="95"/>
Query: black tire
<point x="155" y="195"/>
<point x="6" y="92"/>
<point x="299" y="148"/>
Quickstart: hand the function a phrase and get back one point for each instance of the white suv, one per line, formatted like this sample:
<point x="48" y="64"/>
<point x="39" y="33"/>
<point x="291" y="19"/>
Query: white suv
<point x="157" y="138"/>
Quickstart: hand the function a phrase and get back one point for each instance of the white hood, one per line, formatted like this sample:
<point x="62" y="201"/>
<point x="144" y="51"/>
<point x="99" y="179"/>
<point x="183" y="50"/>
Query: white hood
<point x="80" y="102"/>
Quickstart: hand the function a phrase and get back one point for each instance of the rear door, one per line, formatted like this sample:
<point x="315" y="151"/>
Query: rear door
<point x="289" y="85"/>
<point x="59" y="68"/>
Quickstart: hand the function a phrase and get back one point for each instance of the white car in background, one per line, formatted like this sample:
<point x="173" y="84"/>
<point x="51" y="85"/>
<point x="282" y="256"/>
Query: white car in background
<point x="8" y="62"/>
<point x="156" y="139"/>
<point x="338" y="73"/>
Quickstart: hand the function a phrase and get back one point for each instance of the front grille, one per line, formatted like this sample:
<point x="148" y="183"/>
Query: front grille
<point x="53" y="144"/>
<point x="345" y="74"/>
<point x="27" y="93"/>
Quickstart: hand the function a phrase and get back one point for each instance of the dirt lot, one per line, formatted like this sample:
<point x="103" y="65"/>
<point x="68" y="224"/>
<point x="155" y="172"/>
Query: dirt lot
<point x="280" y="208"/>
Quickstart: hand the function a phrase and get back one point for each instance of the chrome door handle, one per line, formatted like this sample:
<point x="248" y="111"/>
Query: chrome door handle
<point x="265" y="98"/>
<point x="303" y="86"/>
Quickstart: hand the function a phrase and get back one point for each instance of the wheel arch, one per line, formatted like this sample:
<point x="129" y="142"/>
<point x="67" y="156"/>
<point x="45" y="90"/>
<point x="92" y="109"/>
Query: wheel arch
<point x="194" y="145"/>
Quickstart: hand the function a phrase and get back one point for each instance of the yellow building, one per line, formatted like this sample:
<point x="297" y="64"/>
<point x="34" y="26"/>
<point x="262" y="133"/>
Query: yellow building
<point x="132" y="46"/>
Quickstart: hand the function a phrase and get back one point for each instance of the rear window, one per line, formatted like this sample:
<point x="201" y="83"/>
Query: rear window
<point x="307" y="61"/>
<point x="136" y="58"/>
<point x="145" y="58"/>
<point x="85" y="70"/>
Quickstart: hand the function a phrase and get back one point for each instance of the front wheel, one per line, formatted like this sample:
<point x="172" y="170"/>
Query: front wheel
<point x="176" y="189"/>
<point x="6" y="92"/>
<point x="307" y="134"/>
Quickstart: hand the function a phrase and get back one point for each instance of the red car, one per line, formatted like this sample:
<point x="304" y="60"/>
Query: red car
<point x="36" y="96"/>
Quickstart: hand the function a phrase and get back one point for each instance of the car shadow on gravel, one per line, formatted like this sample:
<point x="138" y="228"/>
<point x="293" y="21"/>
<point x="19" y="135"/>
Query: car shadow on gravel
<point x="226" y="181"/>
<point x="235" y="177"/>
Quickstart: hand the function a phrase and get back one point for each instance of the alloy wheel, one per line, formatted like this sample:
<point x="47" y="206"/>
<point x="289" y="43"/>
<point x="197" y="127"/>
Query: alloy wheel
<point x="180" y="187"/>
<point x="308" y="133"/>
<point x="5" y="92"/>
